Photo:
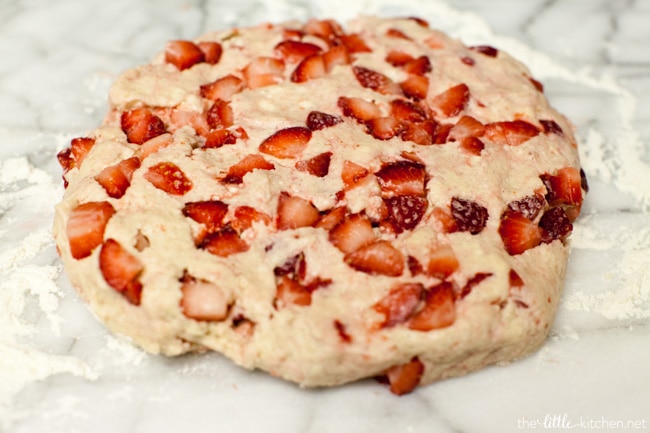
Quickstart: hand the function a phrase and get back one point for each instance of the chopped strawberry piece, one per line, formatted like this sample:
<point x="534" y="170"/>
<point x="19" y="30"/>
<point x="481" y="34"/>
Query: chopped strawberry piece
<point x="518" y="233"/>
<point x="469" y="216"/>
<point x="466" y="126"/>
<point x="309" y="68"/>
<point x="263" y="71"/>
<point x="117" y="178"/>
<point x="551" y="127"/>
<point x="343" y="334"/>
<point x="79" y="148"/>
<point x="468" y="60"/>
<point x="121" y="270"/>
<point x="203" y="300"/>
<point x="399" y="304"/>
<point x="211" y="51"/>
<point x="555" y="224"/>
<point x="246" y="216"/>
<point x="331" y="218"/>
<point x="396" y="33"/>
<point x="352" y="173"/>
<point x="154" y="145"/>
<point x="168" y="177"/>
<point x="318" y="166"/>
<point x="355" y="43"/>
<point x="472" y="282"/>
<point x="514" y="279"/>
<point x="406" y="111"/>
<point x="293" y="51"/>
<point x="402" y="178"/>
<point x="328" y="30"/>
<point x="405" y="211"/>
<point x="358" y="109"/>
<point x="418" y="66"/>
<point x="405" y="378"/>
<point x="352" y="233"/>
<point x="336" y="56"/>
<point x="537" y="84"/>
<point x="442" y="262"/>
<point x="295" y="267"/>
<point x="472" y="145"/>
<point x="528" y="206"/>
<point x="197" y="120"/>
<point x="486" y="50"/>
<point x="290" y="292"/>
<point x="286" y="143"/>
<point x="415" y="87"/>
<point x="419" y="21"/>
<point x="511" y="133"/>
<point x="294" y="212"/>
<point x="446" y="221"/>
<point x="439" y="309"/>
<point x="220" y="115"/>
<point x="141" y="125"/>
<point x="249" y="163"/>
<point x="376" y="81"/>
<point x="563" y="188"/>
<point x="422" y="133"/>
<point x="209" y="213"/>
<point x="398" y="58"/>
<point x="442" y="133"/>
<point x="219" y="137"/>
<point x="384" y="128"/>
<point x="66" y="162"/>
<point x="224" y="88"/>
<point x="85" y="227"/>
<point x="452" y="101"/>
<point x="377" y="258"/>
<point x="183" y="54"/>
<point x="224" y="242"/>
<point x="317" y="120"/>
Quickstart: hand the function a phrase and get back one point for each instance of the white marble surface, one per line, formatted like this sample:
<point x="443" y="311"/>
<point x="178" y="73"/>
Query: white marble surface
<point x="60" y="371"/>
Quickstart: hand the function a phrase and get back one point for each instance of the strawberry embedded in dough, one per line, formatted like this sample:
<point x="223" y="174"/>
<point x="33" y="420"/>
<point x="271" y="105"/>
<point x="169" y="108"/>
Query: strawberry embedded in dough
<point x="168" y="177"/>
<point x="286" y="143"/>
<point x="183" y="54"/>
<point x="141" y="125"/>
<point x="121" y="270"/>
<point x="85" y="227"/>
<point x="203" y="300"/>
<point x="439" y="310"/>
<point x="115" y="179"/>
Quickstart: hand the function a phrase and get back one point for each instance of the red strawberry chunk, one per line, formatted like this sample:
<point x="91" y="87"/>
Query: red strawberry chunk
<point x="343" y="334"/>
<point x="294" y="212"/>
<point x="246" y="216"/>
<point x="375" y="80"/>
<point x="466" y="126"/>
<point x="85" y="227"/>
<point x="121" y="270"/>
<point x="352" y="233"/>
<point x="415" y="87"/>
<point x="203" y="300"/>
<point x="328" y="30"/>
<point x="396" y="33"/>
<point x="317" y="120"/>
<point x="405" y="377"/>
<point x="141" y="125"/>
<point x="402" y="178"/>
<point x="405" y="211"/>
<point x="563" y="188"/>
<point x="406" y="111"/>
<point x="472" y="145"/>
<point x="352" y="173"/>
<point x="183" y="54"/>
<point x="286" y="143"/>
<point x="422" y="133"/>
<point x="293" y="51"/>
<point x="249" y="163"/>
<point x="399" y="304"/>
<point x="355" y="43"/>
<point x="224" y="88"/>
<point x="212" y="51"/>
<point x="219" y="137"/>
<point x="452" y="101"/>
<point x="79" y="148"/>
<point x="398" y="58"/>
<point x="117" y="178"/>
<point x="197" y="120"/>
<point x="418" y="66"/>
<point x="377" y="258"/>
<point x="309" y="68"/>
<point x="154" y="145"/>
<point x="220" y="115"/>
<point x="329" y="219"/>
<point x="555" y="224"/>
<point x="469" y="215"/>
<point x="486" y="50"/>
<point x="168" y="177"/>
<point x="518" y="233"/>
<point x="511" y="133"/>
<point x="384" y="128"/>
<point x="551" y="127"/>
<point x="209" y="213"/>
<point x="528" y="206"/>
<point x="515" y="279"/>
<point x="335" y="56"/>
<point x="290" y="292"/>
<point x="318" y="166"/>
<point x="358" y="109"/>
<point x="224" y="242"/>
<point x="439" y="309"/>
<point x="442" y="262"/>
<point x="445" y="220"/>
<point x="472" y="282"/>
<point x="263" y="71"/>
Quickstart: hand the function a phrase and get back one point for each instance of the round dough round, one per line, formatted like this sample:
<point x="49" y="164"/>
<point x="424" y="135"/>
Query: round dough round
<point x="325" y="203"/>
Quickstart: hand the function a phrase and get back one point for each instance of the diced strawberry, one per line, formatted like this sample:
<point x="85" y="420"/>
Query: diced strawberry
<point x="406" y="111"/>
<point x="405" y="211"/>
<point x="439" y="309"/>
<point x="141" y="125"/>
<point x="551" y="127"/>
<point x="352" y="173"/>
<point x="472" y="145"/>
<point x="514" y="279"/>
<point x="352" y="233"/>
<point x="528" y="206"/>
<point x="555" y="224"/>
<point x="518" y="233"/>
<point x="309" y="68"/>
<point x="203" y="300"/>
<point x="377" y="258"/>
<point x="442" y="133"/>
<point x="405" y="378"/>
<point x="154" y="145"/>
<point x="168" y="177"/>
<point x="317" y="120"/>
<point x="223" y="88"/>
<point x="295" y="267"/>
<point x="442" y="262"/>
<point x="485" y="49"/>
<point x="536" y="84"/>
<point x="418" y="66"/>
<point x="290" y="292"/>
<point x="121" y="270"/>
<point x="220" y="115"/>
<point x="117" y="178"/>
<point x="318" y="166"/>
<point x="398" y="58"/>
<point x="468" y="60"/>
<point x="79" y="148"/>
<point x="563" y="188"/>
<point x="399" y="304"/>
<point x="224" y="242"/>
<point x="472" y="282"/>
<point x="183" y="54"/>
<point x="336" y="56"/>
<point x="415" y="87"/>
<point x="447" y="223"/>
<point x="452" y="101"/>
<point x="85" y="227"/>
<point x="358" y="109"/>
<point x="212" y="51"/>
<point x="510" y="133"/>
<point x="466" y="126"/>
<point x="376" y="81"/>
<point x="343" y="334"/>
<point x="263" y="71"/>
<point x="419" y="21"/>
<point x="286" y="143"/>
<point x="355" y="43"/>
<point x="180" y="118"/>
<point x="397" y="33"/>
<point x="294" y="212"/>
<point x="249" y="163"/>
<point x="293" y="51"/>
<point x="209" y="213"/>
<point x="422" y="133"/>
<point x="402" y="178"/>
<point x="469" y="215"/>
<point x="219" y="137"/>
<point x="245" y="216"/>
<point x="331" y="218"/>
<point x="328" y="30"/>
<point x="384" y="128"/>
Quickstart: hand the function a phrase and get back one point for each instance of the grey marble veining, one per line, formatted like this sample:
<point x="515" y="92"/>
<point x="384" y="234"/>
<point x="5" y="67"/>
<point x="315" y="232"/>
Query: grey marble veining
<point x="67" y="374"/>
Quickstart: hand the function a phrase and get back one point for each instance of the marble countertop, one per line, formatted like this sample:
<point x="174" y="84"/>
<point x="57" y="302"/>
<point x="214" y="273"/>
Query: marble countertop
<point x="60" y="371"/>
